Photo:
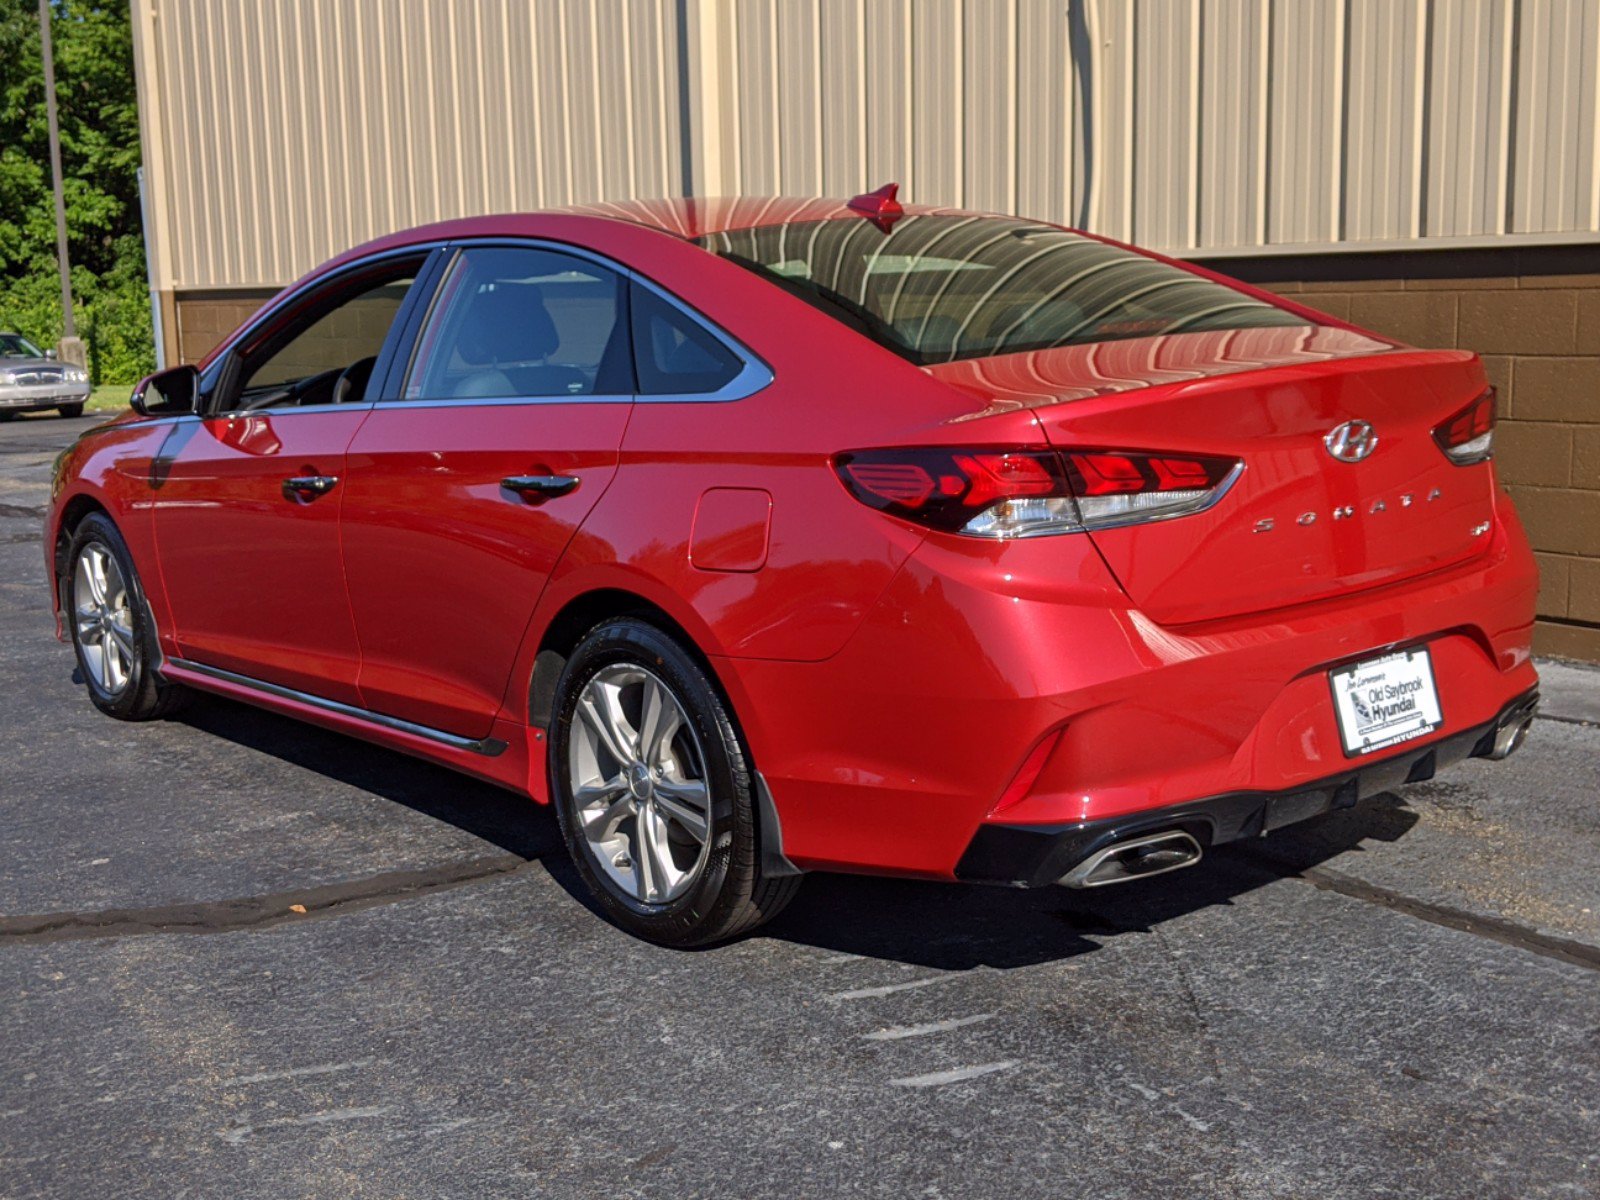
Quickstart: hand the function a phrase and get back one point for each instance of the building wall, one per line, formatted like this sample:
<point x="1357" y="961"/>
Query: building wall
<point x="277" y="133"/>
<point x="1409" y="164"/>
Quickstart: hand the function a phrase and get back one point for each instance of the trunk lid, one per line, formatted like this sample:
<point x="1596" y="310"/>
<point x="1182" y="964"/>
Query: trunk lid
<point x="1297" y="524"/>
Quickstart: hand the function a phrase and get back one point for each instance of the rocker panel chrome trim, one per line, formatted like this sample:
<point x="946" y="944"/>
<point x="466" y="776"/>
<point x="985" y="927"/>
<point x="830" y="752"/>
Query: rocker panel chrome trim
<point x="488" y="747"/>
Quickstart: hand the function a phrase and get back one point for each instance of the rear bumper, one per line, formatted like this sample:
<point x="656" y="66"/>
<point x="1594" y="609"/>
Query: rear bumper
<point x="1015" y="685"/>
<point x="1036" y="855"/>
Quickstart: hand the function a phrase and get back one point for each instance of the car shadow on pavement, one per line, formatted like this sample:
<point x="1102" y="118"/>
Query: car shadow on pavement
<point x="928" y="924"/>
<point x="513" y="823"/>
<point x="955" y="927"/>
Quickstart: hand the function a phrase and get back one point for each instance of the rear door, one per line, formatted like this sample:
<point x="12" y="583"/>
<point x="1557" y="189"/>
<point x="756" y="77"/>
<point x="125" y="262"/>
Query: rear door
<point x="465" y="491"/>
<point x="246" y="500"/>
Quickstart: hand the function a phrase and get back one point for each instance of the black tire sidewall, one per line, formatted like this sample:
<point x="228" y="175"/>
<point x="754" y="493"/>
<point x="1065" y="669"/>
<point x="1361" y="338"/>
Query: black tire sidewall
<point x="138" y="695"/>
<point x="705" y="908"/>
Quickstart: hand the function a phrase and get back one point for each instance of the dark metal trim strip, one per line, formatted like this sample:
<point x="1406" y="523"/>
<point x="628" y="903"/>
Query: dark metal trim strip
<point x="488" y="747"/>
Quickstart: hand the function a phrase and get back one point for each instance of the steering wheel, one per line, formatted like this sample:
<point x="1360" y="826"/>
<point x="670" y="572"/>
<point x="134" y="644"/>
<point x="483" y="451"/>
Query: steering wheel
<point x="352" y="382"/>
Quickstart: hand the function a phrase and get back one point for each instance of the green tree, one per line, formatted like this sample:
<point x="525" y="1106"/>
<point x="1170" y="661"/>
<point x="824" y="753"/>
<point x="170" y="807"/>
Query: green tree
<point x="98" y="106"/>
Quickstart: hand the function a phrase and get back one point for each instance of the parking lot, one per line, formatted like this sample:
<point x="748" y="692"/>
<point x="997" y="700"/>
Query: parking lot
<point x="1401" y="999"/>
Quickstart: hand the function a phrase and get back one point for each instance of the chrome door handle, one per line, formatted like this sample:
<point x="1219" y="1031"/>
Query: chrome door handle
<point x="306" y="488"/>
<point x="539" y="486"/>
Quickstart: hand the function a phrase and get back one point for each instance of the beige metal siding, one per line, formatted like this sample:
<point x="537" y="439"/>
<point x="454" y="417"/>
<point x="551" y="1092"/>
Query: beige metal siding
<point x="279" y="132"/>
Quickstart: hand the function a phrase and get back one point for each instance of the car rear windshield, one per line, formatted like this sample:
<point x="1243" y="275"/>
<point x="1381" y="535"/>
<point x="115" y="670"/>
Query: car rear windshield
<point x="940" y="288"/>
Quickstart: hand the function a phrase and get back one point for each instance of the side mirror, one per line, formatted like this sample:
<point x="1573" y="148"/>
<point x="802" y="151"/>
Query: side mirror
<point x="50" y="354"/>
<point x="168" y="393"/>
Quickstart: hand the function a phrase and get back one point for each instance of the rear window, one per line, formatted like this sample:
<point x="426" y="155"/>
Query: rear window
<point x="940" y="288"/>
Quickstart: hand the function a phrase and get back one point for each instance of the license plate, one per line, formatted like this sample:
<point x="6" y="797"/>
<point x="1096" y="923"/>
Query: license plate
<point x="1385" y="701"/>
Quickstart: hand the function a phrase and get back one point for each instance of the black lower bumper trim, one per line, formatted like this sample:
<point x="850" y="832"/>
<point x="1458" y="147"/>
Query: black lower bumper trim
<point x="1036" y="855"/>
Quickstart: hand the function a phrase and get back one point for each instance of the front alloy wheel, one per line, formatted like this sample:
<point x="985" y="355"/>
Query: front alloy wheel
<point x="654" y="790"/>
<point x="102" y="620"/>
<point x="112" y="631"/>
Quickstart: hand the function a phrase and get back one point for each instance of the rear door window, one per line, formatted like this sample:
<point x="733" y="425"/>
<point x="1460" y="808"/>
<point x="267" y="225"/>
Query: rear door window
<point x="520" y="321"/>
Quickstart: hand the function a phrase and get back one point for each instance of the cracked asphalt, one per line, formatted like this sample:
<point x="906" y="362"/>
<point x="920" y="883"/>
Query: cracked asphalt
<point x="1401" y="999"/>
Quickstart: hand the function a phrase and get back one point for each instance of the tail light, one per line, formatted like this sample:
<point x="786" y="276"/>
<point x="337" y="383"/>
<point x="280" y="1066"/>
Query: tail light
<point x="1468" y="436"/>
<point x="999" y="493"/>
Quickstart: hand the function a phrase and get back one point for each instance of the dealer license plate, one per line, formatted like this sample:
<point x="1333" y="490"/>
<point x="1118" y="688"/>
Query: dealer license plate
<point x="1385" y="701"/>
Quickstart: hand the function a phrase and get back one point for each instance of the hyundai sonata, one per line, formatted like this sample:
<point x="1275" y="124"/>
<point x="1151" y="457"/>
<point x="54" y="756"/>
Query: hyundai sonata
<point x="764" y="537"/>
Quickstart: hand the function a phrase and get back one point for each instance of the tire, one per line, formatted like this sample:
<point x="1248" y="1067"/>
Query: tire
<point x="113" y="634"/>
<point x="689" y="890"/>
<point x="70" y="410"/>
<point x="7" y="415"/>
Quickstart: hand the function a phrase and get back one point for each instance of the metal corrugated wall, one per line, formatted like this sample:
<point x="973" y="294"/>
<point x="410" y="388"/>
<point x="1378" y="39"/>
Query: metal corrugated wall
<point x="278" y="132"/>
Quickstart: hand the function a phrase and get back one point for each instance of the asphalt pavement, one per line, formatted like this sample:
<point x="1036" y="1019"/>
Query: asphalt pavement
<point x="1398" y="1000"/>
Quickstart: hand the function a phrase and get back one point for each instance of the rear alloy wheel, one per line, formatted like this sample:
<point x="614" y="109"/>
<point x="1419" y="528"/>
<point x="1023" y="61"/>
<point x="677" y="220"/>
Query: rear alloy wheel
<point x="654" y="791"/>
<point x="111" y="628"/>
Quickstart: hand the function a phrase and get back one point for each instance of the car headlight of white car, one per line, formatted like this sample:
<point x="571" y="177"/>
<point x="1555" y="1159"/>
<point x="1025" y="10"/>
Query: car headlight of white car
<point x="76" y="375"/>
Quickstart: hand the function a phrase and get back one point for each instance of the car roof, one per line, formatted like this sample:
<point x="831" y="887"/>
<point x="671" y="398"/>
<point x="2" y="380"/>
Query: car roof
<point x="696" y="217"/>
<point x="686" y="217"/>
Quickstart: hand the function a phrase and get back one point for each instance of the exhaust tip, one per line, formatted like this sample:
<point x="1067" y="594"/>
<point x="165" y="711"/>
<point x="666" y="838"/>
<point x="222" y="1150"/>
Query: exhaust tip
<point x="1136" y="858"/>
<point x="1509" y="737"/>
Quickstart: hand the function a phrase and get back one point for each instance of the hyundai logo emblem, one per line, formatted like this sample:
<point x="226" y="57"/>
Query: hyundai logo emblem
<point x="1352" y="441"/>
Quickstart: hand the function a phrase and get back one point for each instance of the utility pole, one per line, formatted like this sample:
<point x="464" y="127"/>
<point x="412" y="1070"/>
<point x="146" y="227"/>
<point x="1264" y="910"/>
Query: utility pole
<point x="71" y="348"/>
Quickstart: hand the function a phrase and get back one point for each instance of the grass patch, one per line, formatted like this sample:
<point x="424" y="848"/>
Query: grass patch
<point x="111" y="398"/>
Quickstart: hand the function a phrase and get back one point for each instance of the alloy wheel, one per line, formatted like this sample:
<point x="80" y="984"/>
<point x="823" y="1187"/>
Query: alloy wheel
<point x="638" y="779"/>
<point x="103" y="619"/>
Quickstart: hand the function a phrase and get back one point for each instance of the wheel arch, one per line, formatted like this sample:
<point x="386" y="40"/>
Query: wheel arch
<point x="71" y="515"/>
<point x="583" y="612"/>
<point x="587" y="609"/>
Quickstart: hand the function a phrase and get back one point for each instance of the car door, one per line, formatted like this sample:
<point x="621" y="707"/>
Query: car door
<point x="246" y="499"/>
<point x="466" y="489"/>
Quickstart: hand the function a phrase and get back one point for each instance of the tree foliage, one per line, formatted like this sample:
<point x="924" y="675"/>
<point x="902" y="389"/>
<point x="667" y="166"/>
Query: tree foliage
<point x="98" y="109"/>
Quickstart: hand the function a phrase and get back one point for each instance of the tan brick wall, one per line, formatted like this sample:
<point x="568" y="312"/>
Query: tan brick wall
<point x="200" y="322"/>
<point x="1534" y="315"/>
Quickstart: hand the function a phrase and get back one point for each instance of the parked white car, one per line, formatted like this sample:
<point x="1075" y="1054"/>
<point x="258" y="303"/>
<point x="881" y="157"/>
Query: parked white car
<point x="32" y="380"/>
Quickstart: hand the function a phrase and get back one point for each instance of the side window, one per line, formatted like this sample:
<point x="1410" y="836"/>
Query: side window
<point x="517" y="321"/>
<point x="673" y="353"/>
<point x="326" y="352"/>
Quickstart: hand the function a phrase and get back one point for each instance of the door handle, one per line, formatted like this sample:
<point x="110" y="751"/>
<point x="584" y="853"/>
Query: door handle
<point x="305" y="488"/>
<point x="539" y="487"/>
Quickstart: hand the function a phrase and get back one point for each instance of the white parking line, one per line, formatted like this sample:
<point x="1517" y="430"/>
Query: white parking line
<point x="939" y="1078"/>
<point x="240" y="1133"/>
<point x="888" y="988"/>
<point x="296" y="1072"/>
<point x="911" y="1031"/>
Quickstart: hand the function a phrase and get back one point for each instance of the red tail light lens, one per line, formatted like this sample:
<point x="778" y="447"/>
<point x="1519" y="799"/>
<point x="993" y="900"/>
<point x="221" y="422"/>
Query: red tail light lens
<point x="1025" y="493"/>
<point x="1468" y="436"/>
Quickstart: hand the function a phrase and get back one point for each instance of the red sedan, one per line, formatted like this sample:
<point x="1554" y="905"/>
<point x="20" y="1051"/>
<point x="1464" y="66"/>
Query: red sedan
<point x="764" y="537"/>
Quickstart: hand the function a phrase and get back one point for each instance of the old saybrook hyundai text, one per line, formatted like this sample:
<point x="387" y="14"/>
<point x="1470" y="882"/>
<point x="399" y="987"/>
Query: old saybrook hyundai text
<point x="771" y="536"/>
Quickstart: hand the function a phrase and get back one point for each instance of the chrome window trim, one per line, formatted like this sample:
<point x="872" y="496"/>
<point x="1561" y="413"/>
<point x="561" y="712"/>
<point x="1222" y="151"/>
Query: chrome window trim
<point x="754" y="374"/>
<point x="244" y="414"/>
<point x="488" y="747"/>
<point x="501" y="401"/>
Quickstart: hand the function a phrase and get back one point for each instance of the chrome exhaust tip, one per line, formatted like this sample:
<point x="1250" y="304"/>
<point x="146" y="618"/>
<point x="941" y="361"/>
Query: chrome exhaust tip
<point x="1510" y="736"/>
<point x="1136" y="858"/>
